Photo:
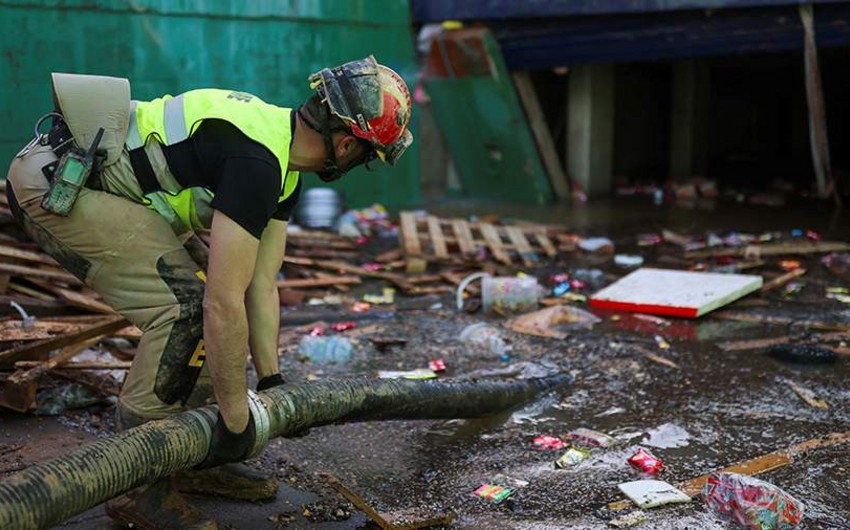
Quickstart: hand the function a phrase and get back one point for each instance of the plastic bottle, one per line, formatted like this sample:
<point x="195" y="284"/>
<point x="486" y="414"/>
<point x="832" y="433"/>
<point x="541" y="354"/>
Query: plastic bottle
<point x="484" y="340"/>
<point x="326" y="350"/>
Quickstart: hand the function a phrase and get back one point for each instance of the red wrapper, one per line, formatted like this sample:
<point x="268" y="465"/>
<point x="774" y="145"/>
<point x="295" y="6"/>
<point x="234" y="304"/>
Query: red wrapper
<point x="814" y="236"/>
<point x="361" y="307"/>
<point x="549" y="442"/>
<point x="317" y="331"/>
<point x="577" y="285"/>
<point x="343" y="326"/>
<point x="644" y="461"/>
<point x="437" y="365"/>
<point x="560" y="278"/>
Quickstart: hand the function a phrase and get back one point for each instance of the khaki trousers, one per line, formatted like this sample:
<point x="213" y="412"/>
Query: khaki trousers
<point x="133" y="259"/>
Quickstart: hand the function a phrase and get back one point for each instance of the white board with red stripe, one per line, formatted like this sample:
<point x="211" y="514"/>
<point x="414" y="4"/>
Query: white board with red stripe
<point x="676" y="293"/>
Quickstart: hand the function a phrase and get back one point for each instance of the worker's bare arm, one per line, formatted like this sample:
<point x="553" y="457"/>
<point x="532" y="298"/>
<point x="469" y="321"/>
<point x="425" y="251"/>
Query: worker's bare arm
<point x="233" y="254"/>
<point x="262" y="301"/>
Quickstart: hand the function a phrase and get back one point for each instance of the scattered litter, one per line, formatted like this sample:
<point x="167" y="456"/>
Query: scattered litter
<point x="482" y="339"/>
<point x="628" y="261"/>
<point x="550" y="321"/>
<point x="343" y="326"/>
<point x="325" y="350"/>
<point x="55" y="401"/>
<point x="592" y="438"/>
<point x="549" y="443"/>
<point x="653" y="493"/>
<point x="437" y="365"/>
<point x="387" y="296"/>
<point x="360" y="307"/>
<point x="645" y="462"/>
<point x="573" y="457"/>
<point x="596" y="244"/>
<point x="509" y="295"/>
<point x="677" y="293"/>
<point x="419" y="373"/>
<point x="493" y="493"/>
<point x="629" y="520"/>
<point x="753" y="503"/>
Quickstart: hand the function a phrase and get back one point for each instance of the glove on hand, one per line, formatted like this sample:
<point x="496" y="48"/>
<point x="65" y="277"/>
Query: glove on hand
<point x="227" y="446"/>
<point x="270" y="382"/>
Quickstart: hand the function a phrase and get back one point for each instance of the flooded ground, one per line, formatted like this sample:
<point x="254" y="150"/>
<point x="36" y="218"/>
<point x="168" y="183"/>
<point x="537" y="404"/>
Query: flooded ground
<point x="716" y="409"/>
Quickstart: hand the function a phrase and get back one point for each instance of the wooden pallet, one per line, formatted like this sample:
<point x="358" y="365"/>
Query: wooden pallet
<point x="431" y="237"/>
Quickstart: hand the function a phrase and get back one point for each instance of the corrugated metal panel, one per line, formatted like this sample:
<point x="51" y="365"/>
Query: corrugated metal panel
<point x="438" y="10"/>
<point x="267" y="47"/>
<point x="548" y="43"/>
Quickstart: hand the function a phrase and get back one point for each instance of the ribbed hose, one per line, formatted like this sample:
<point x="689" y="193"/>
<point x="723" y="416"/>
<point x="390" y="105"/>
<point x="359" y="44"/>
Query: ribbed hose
<point x="51" y="492"/>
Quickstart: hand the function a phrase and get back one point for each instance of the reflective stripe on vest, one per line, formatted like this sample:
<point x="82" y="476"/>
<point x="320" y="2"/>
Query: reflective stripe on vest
<point x="170" y="120"/>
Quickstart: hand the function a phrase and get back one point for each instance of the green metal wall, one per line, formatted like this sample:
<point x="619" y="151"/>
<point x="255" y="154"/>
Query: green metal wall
<point x="266" y="47"/>
<point x="482" y="121"/>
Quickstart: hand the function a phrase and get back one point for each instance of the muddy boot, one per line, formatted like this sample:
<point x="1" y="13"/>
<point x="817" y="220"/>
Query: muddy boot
<point x="233" y="481"/>
<point x="158" y="506"/>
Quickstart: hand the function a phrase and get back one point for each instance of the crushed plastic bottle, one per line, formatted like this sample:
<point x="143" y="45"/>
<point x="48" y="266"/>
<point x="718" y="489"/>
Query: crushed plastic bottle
<point x="753" y="503"/>
<point x="325" y="349"/>
<point x="483" y="340"/>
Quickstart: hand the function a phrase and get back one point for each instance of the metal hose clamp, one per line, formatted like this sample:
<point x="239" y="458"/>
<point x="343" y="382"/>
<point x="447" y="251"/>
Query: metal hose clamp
<point x="262" y="423"/>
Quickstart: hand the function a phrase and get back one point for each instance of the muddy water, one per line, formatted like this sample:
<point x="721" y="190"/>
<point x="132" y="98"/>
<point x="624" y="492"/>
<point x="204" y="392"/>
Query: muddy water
<point x="717" y="409"/>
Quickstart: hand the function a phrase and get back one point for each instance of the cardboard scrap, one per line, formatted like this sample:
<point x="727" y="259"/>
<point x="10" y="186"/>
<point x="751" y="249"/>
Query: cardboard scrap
<point x="676" y="293"/>
<point x="543" y="323"/>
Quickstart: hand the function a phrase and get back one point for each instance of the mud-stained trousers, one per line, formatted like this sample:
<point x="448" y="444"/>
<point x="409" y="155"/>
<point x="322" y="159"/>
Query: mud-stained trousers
<point x="129" y="255"/>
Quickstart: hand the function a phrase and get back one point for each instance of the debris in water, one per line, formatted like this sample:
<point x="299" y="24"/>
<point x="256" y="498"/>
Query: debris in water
<point x="592" y="438"/>
<point x="753" y="503"/>
<point x="667" y="436"/>
<point x="644" y="461"/>
<point x="652" y="493"/>
<point x="492" y="492"/>
<point x="549" y="442"/>
<point x="629" y="520"/>
<point x="573" y="457"/>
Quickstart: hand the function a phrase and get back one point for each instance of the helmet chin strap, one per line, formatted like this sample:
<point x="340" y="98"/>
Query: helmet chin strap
<point x="332" y="170"/>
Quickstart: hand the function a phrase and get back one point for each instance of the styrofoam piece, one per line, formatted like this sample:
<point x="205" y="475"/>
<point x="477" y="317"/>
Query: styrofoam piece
<point x="652" y="493"/>
<point x="677" y="293"/>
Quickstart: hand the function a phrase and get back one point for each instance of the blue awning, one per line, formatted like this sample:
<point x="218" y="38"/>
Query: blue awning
<point x="529" y="43"/>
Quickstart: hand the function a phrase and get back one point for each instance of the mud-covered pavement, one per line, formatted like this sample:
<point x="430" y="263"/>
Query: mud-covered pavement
<point x="717" y="408"/>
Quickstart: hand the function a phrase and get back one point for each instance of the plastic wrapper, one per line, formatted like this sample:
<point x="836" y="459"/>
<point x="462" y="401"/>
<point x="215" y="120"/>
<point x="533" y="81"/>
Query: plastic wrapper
<point x="592" y="438"/>
<point x="573" y="457"/>
<point x="343" y="326"/>
<point x="644" y="461"/>
<point x="492" y="492"/>
<point x="437" y="365"/>
<point x="549" y="442"/>
<point x="753" y="503"/>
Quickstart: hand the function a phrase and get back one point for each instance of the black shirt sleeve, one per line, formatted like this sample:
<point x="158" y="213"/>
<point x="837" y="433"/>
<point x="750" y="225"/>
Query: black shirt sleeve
<point x="248" y="192"/>
<point x="287" y="206"/>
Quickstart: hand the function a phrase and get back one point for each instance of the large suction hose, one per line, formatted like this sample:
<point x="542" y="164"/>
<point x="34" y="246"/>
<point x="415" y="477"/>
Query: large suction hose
<point x="51" y="492"/>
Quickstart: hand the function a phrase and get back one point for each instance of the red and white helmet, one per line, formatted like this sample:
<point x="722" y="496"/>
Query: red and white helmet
<point x="373" y="99"/>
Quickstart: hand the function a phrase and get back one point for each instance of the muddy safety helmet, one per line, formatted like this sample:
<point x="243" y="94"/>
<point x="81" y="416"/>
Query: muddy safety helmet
<point x="374" y="101"/>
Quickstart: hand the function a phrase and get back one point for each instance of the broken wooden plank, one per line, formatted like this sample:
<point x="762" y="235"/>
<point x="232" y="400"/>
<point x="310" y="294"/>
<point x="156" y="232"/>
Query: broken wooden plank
<point x="399" y="520"/>
<point x="437" y="240"/>
<point x="494" y="241"/>
<point x="27" y="255"/>
<point x="464" y="237"/>
<point x="116" y="365"/>
<point x="782" y="321"/>
<point x="75" y="298"/>
<point x="409" y="234"/>
<point x="772" y="249"/>
<point x="782" y="280"/>
<point x="546" y="243"/>
<point x="306" y="283"/>
<point x="542" y="135"/>
<point x="34" y="350"/>
<point x="528" y="256"/>
<point x="21" y="270"/>
<point x="806" y="395"/>
<point x="19" y="390"/>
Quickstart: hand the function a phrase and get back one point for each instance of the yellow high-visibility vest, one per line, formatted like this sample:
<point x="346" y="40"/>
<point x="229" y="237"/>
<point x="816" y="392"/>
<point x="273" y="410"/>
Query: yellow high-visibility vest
<point x="170" y="120"/>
